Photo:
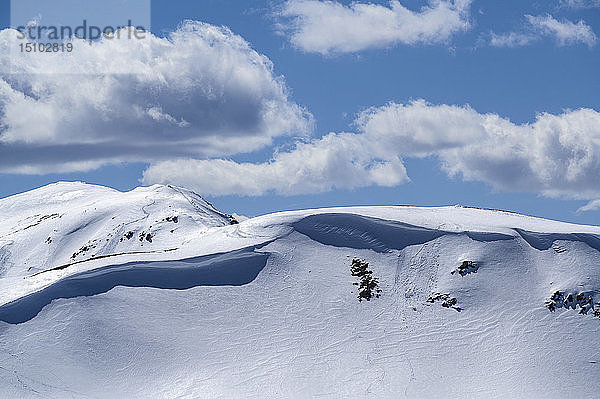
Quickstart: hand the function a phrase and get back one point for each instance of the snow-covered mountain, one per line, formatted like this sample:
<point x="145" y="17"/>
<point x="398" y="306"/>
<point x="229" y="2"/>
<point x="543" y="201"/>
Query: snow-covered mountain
<point x="154" y="293"/>
<point x="72" y="222"/>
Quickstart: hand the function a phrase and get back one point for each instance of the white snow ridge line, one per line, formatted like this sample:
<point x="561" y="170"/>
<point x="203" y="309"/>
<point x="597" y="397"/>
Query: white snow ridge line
<point x="160" y="295"/>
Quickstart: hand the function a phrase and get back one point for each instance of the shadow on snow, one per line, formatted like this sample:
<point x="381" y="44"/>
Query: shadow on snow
<point x="360" y="232"/>
<point x="232" y="268"/>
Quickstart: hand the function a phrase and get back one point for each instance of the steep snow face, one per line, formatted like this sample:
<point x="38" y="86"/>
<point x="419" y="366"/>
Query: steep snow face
<point x="465" y="303"/>
<point x="65" y="223"/>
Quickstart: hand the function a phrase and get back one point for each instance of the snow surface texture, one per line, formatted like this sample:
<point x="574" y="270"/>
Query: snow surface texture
<point x="474" y="303"/>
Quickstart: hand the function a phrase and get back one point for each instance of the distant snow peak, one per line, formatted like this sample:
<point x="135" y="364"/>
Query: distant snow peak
<point x="74" y="222"/>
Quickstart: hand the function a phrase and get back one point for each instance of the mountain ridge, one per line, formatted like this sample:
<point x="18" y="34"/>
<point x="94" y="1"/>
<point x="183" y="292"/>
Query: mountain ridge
<point x="334" y="302"/>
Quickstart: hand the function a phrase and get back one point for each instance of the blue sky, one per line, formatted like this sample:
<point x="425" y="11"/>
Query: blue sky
<point x="550" y="74"/>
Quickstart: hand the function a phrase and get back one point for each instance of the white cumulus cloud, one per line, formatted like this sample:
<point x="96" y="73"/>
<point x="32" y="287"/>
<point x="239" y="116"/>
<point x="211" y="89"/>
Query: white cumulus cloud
<point x="556" y="155"/>
<point x="419" y="128"/>
<point x="326" y="27"/>
<point x="337" y="161"/>
<point x="201" y="91"/>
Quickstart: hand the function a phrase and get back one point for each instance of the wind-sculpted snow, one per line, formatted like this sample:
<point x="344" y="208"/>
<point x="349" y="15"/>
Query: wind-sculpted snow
<point x="354" y="231"/>
<point x="233" y="268"/>
<point x="360" y="232"/>
<point x="487" y="237"/>
<point x="544" y="241"/>
<point x="468" y="303"/>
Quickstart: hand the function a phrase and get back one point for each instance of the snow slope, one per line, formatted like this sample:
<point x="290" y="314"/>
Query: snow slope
<point x="54" y="224"/>
<point x="268" y="308"/>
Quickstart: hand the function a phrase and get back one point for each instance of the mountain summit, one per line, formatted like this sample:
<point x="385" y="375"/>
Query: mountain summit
<point x="71" y="222"/>
<point x="155" y="293"/>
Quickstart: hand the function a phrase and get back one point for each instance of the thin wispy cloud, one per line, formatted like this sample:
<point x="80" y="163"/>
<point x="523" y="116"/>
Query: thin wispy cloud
<point x="329" y="27"/>
<point x="580" y="3"/>
<point x="590" y="206"/>
<point x="512" y="39"/>
<point x="563" y="32"/>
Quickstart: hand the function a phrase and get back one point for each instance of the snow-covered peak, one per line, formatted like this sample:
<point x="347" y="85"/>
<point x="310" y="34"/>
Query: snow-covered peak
<point x="154" y="293"/>
<point x="70" y="222"/>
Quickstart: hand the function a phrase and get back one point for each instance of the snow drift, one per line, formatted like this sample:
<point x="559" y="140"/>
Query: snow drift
<point x="473" y="302"/>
